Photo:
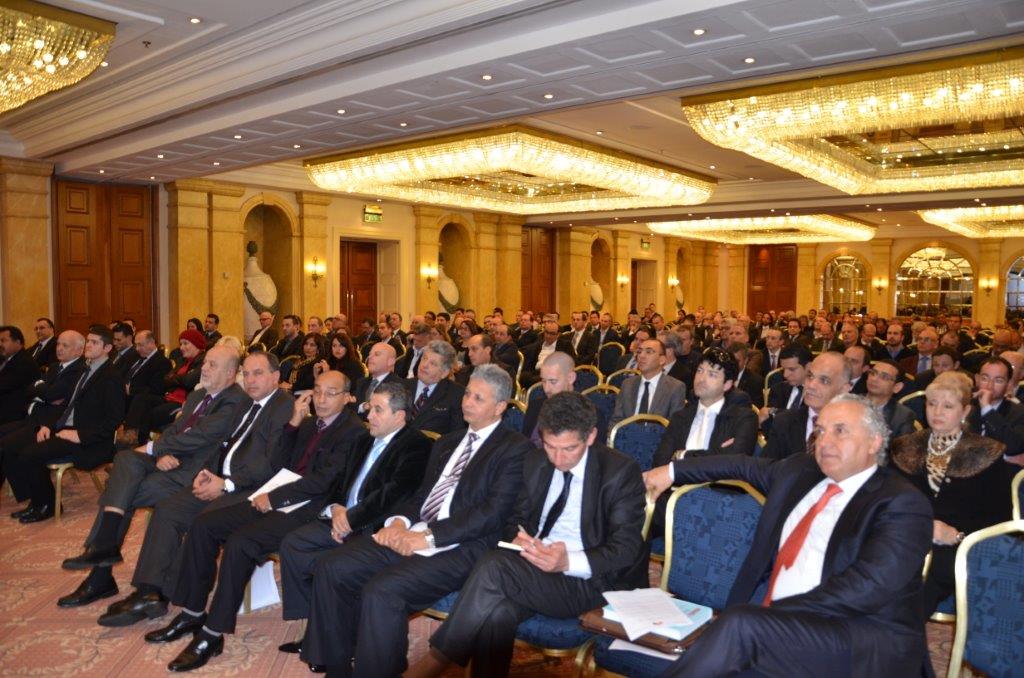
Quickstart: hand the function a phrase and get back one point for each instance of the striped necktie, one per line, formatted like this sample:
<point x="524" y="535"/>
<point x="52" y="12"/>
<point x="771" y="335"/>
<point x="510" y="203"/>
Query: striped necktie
<point x="432" y="506"/>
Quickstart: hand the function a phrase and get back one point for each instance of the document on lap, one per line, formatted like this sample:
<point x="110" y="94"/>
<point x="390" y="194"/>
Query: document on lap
<point x="696" y="616"/>
<point x="643" y="611"/>
<point x="282" y="478"/>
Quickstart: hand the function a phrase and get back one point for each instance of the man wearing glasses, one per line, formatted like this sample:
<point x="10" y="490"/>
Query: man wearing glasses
<point x="883" y="382"/>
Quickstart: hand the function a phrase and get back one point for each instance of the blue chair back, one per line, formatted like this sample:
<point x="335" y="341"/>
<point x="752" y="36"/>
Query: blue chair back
<point x="586" y="377"/>
<point x="639" y="436"/>
<point x="915" y="401"/>
<point x="514" y="415"/>
<point x="609" y="355"/>
<point x="603" y="398"/>
<point x="616" y="378"/>
<point x="990" y="601"/>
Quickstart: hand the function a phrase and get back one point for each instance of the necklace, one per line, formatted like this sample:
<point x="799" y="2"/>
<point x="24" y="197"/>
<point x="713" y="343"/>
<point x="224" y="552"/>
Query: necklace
<point x="939" y="445"/>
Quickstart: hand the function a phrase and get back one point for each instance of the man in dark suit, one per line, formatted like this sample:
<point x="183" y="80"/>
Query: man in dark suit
<point x="384" y="470"/>
<point x="380" y="363"/>
<point x="291" y="341"/>
<point x="436" y="399"/>
<point x="144" y="382"/>
<point x="535" y="354"/>
<point x="860" y="362"/>
<point x="894" y="348"/>
<point x="152" y="472"/>
<point x="524" y="333"/>
<point x="364" y="591"/>
<point x="557" y="374"/>
<point x="84" y="431"/>
<point x="44" y="351"/>
<point x="366" y="335"/>
<point x="584" y="502"/>
<point x="49" y="395"/>
<point x="318" y="450"/>
<point x="788" y="393"/>
<point x="605" y="332"/>
<point x="266" y="334"/>
<point x="772" y="350"/>
<point x="747" y="381"/>
<point x="884" y="385"/>
<point x="628" y="361"/>
<point x="584" y="340"/>
<point x="505" y="350"/>
<point x="18" y="372"/>
<point x="991" y="413"/>
<point x="849" y="595"/>
<point x="211" y="329"/>
<point x="828" y="376"/>
<point x="927" y="343"/>
<point x="405" y="367"/>
<point x="943" y="360"/>
<point x="395" y="323"/>
<point x="676" y="366"/>
<point x="124" y="355"/>
<point x="480" y="351"/>
<point x="249" y="457"/>
<point x="651" y="391"/>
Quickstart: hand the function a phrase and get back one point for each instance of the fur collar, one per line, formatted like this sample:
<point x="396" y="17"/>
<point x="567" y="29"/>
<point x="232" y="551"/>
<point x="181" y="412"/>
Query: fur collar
<point x="972" y="455"/>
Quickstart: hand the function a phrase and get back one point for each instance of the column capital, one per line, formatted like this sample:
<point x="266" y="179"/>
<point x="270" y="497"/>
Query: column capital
<point x="313" y="198"/>
<point x="207" y="186"/>
<point x="38" y="168"/>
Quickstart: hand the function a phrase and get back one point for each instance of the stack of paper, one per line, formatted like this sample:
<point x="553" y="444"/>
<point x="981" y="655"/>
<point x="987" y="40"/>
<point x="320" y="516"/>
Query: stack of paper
<point x="644" y="611"/>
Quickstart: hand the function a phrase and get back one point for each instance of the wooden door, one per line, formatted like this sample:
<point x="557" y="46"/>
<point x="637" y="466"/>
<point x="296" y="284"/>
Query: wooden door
<point x="104" y="255"/>
<point x="771" y="278"/>
<point x="538" y="269"/>
<point x="358" y="281"/>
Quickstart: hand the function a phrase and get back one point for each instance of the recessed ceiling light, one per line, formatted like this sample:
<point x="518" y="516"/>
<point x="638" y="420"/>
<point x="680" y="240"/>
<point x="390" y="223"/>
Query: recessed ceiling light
<point x="711" y="166"/>
<point x="341" y="111"/>
<point x="103" y="64"/>
<point x="750" y="178"/>
<point x="103" y="171"/>
<point x="867" y="204"/>
<point x="699" y="31"/>
<point x="787" y="214"/>
<point x="599" y="132"/>
<point x="749" y="60"/>
<point x="152" y="178"/>
<point x="878" y="209"/>
<point x="549" y="96"/>
<point x="296" y="146"/>
<point x="216" y="164"/>
<point x="160" y="156"/>
<point x="1006" y="147"/>
<point x="195" y="20"/>
<point x="238" y="136"/>
<point x="486" y="76"/>
<point x="773" y="210"/>
<point x="403" y="124"/>
<point x="984" y="204"/>
<point x="977" y="200"/>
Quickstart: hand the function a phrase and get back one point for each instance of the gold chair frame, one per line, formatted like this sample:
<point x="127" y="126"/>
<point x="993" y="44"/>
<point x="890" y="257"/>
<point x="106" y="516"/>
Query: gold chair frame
<point x="1015" y="493"/>
<point x="651" y="418"/>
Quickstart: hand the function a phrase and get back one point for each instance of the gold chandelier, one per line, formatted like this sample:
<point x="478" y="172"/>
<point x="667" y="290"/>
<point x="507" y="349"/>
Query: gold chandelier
<point x="940" y="125"/>
<point x="513" y="169"/>
<point x="1005" y="221"/>
<point x="43" y="49"/>
<point x="806" y="228"/>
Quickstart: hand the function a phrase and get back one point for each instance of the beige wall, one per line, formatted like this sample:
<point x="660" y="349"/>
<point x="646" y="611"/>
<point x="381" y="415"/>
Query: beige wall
<point x="25" y="263"/>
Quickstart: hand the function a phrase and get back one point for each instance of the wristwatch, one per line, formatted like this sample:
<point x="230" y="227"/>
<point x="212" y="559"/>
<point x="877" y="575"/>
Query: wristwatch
<point x="429" y="536"/>
<point x="959" y="537"/>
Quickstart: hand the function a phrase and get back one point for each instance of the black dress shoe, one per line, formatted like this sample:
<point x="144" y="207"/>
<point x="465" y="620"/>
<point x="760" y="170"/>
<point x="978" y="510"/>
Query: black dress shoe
<point x="316" y="668"/>
<point x="199" y="651"/>
<point x="20" y="512"/>
<point x="181" y="625"/>
<point x="37" y="514"/>
<point x="94" y="557"/>
<point x="133" y="609"/>
<point x="87" y="593"/>
<point x="293" y="647"/>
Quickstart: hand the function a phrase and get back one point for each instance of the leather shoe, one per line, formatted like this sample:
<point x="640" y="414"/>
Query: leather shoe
<point x="87" y="593"/>
<point x="94" y="557"/>
<point x="199" y="651"/>
<point x="20" y="512"/>
<point x="37" y="514"/>
<point x="133" y="609"/>
<point x="316" y="668"/>
<point x="181" y="625"/>
<point x="293" y="647"/>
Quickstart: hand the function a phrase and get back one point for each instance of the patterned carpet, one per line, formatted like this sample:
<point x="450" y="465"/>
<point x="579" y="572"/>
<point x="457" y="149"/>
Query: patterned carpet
<point x="39" y="639"/>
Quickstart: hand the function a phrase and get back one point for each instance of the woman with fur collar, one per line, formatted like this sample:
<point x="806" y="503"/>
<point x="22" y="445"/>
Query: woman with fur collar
<point x="962" y="473"/>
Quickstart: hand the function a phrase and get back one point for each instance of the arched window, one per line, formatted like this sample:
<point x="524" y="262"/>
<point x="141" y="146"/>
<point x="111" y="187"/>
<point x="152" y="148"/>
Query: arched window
<point x="1015" y="287"/>
<point x="934" y="279"/>
<point x="845" y="284"/>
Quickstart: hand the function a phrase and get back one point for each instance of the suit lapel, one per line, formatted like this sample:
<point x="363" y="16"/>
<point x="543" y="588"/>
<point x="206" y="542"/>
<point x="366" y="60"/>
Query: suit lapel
<point x="591" y="487"/>
<point x="541" y="488"/>
<point x="850" y="518"/>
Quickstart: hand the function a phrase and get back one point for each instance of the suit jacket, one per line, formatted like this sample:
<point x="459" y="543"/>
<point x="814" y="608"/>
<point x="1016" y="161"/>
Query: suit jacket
<point x="363" y="385"/>
<point x="882" y="353"/>
<point x="609" y="336"/>
<point x="899" y="418"/>
<point x="1005" y="424"/>
<point x="860" y="387"/>
<point x="507" y="353"/>
<point x="821" y="345"/>
<point x="46" y="355"/>
<point x="766" y="361"/>
<point x="98" y="410"/>
<point x="909" y="364"/>
<point x="442" y="412"/>
<point x="667" y="398"/>
<point x="123" y="362"/>
<point x="149" y="379"/>
<point x="462" y="376"/>
<point x="586" y="350"/>
<point x="871" y="576"/>
<point x="285" y="347"/>
<point x="267" y="337"/>
<point x="50" y="394"/>
<point x="779" y="394"/>
<point x="403" y="363"/>
<point x="260" y="455"/>
<point x="332" y="453"/>
<point x="392" y="479"/>
<point x="788" y="434"/>
<point x="532" y="352"/>
<point x="17" y="374"/>
<point x="212" y="338"/>
<point x="524" y="337"/>
<point x="533" y="413"/>
<point x="613" y="506"/>
<point x="752" y="384"/>
<point x="485" y="496"/>
<point x="736" y="422"/>
<point x="194" y="446"/>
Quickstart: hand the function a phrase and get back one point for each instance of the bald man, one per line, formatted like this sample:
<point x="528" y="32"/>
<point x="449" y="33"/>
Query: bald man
<point x="380" y="363"/>
<point x="557" y="374"/>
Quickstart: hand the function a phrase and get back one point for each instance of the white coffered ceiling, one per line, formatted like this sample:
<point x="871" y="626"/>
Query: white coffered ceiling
<point x="276" y="73"/>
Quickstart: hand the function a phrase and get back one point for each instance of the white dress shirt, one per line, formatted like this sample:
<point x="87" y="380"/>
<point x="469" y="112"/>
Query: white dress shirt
<point x="807" y="568"/>
<point x="226" y="470"/>
<point x="640" y="392"/>
<point x="545" y="351"/>
<point x="414" y="363"/>
<point x="568" y="527"/>
<point x="703" y="425"/>
<point x="376" y="450"/>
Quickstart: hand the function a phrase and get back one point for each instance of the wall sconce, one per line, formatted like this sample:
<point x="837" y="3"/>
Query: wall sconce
<point x="987" y="285"/>
<point x="673" y="281"/>
<point x="880" y="284"/>
<point x="429" y="273"/>
<point x="316" y="270"/>
<point x="623" y="280"/>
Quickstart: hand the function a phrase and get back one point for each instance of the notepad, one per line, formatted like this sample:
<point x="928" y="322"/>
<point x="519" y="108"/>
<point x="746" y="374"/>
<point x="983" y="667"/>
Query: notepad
<point x="696" y="616"/>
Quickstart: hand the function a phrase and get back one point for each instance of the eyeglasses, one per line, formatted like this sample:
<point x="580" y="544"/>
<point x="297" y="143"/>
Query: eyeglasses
<point x="330" y="393"/>
<point x="885" y="376"/>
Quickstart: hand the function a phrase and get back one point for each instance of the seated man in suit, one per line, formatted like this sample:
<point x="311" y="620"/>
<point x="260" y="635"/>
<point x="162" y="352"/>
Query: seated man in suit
<point x="536" y="353"/>
<point x="828" y="376"/>
<point x="583" y="339"/>
<point x="318" y="450"/>
<point x="772" y="351"/>
<point x="788" y="393"/>
<point x="651" y="391"/>
<point x="144" y="382"/>
<point x="480" y="351"/>
<point x="1016" y="360"/>
<point x="605" y="332"/>
<point x="859" y="358"/>
<point x="747" y="381"/>
<point x="44" y="351"/>
<point x="124" y="354"/>
<point x="505" y="350"/>
<point x="557" y="374"/>
<point x="211" y="329"/>
<point x="832" y="581"/>
<point x="585" y="544"/>
<point x="18" y="372"/>
<point x="364" y="591"/>
<point x="676" y="366"/>
<point x="927" y="343"/>
<point x="291" y="339"/>
<point x="436" y="399"/>
<point x="992" y="414"/>
<point x="148" y="474"/>
<point x="628" y="361"/>
<point x="84" y="432"/>
<point x="266" y="334"/>
<point x="406" y="366"/>
<point x="247" y="458"/>
<point x="380" y="363"/>
<point x="943" y="360"/>
<point x="884" y="384"/>
<point x="894" y="349"/>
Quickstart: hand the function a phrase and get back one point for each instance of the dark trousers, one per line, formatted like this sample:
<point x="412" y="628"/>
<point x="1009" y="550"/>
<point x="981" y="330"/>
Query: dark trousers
<point x="769" y="642"/>
<point x="26" y="470"/>
<point x="248" y="537"/>
<point x="14" y="436"/>
<point x="503" y="591"/>
<point x="940" y="582"/>
<point x="160" y="558"/>
<point x="147" y="413"/>
<point x="300" y="551"/>
<point x="365" y="591"/>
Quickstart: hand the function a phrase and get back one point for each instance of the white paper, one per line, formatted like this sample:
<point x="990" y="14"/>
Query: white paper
<point x="640" y="649"/>
<point x="509" y="545"/>
<point x="644" y="610"/>
<point x="263" y="590"/>
<point x="697" y="615"/>
<point x="280" y="479"/>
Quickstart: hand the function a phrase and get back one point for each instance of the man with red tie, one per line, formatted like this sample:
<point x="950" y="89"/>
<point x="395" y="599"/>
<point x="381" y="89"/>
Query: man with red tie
<point x="832" y="581"/>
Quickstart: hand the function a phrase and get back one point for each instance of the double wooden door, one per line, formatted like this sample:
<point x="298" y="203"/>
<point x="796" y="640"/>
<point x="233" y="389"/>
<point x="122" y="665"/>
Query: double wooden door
<point x="358" y="269"/>
<point x="103" y="255"/>
<point x="771" y="277"/>
<point x="538" y="273"/>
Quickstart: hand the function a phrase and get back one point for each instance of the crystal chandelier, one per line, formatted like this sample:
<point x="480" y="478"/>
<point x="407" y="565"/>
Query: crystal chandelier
<point x="941" y="125"/>
<point x="513" y="169"/>
<point x="806" y="228"/>
<point x="43" y="49"/>
<point x="1005" y="221"/>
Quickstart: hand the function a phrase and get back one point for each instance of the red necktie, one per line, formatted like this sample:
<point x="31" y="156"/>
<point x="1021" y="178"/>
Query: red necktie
<point x="307" y="454"/>
<point x="198" y="412"/>
<point x="789" y="551"/>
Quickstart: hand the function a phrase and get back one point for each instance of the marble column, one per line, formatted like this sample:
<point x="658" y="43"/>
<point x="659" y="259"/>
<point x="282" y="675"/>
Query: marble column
<point x="882" y="284"/>
<point x="989" y="285"/>
<point x="428" y="246"/>
<point x="486" y="255"/>
<point x="572" y="269"/>
<point x="808" y="283"/>
<point x="509" y="272"/>
<point x="313" y="243"/>
<point x="736" y="286"/>
<point x="621" y="294"/>
<point x="188" y="251"/>
<point x="227" y="257"/>
<point x="25" y="259"/>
